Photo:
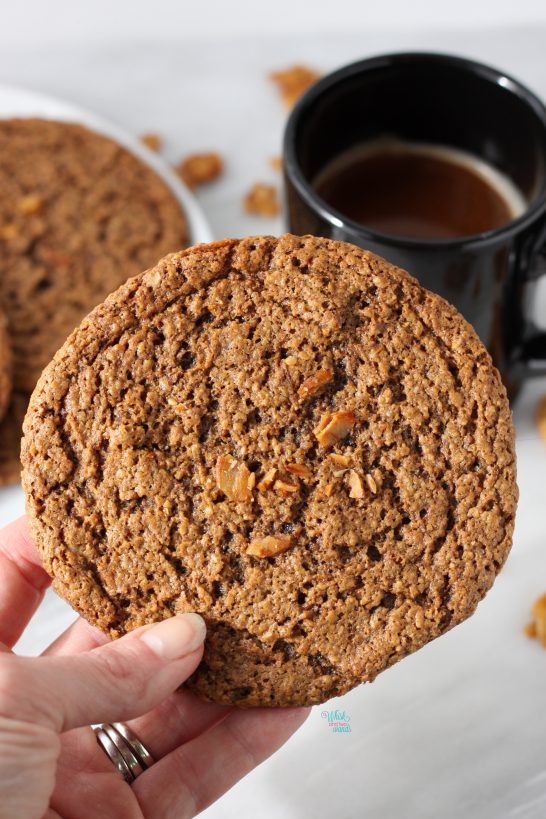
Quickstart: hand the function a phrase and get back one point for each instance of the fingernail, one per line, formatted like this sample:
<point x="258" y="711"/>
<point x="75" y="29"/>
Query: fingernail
<point x="175" y="637"/>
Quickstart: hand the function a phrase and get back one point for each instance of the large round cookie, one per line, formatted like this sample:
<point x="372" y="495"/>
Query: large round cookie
<point x="78" y="215"/>
<point x="289" y="436"/>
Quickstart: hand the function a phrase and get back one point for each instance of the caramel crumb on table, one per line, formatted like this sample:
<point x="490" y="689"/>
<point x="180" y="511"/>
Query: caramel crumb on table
<point x="262" y="200"/>
<point x="152" y="141"/>
<point x="537" y="628"/>
<point x="198" y="169"/>
<point x="293" y="81"/>
<point x="276" y="163"/>
<point x="541" y="417"/>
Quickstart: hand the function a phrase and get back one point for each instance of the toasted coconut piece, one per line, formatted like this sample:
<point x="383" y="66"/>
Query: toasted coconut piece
<point x="372" y="484"/>
<point x="299" y="469"/>
<point x="340" y="460"/>
<point x="233" y="478"/>
<point x="313" y="384"/>
<point x="285" y="488"/>
<point x="334" y="427"/>
<point x="356" y="485"/>
<point x="269" y="546"/>
<point x="268" y="480"/>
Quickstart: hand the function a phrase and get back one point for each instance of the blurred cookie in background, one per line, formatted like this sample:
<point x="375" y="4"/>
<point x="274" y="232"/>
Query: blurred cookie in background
<point x="79" y="214"/>
<point x="10" y="439"/>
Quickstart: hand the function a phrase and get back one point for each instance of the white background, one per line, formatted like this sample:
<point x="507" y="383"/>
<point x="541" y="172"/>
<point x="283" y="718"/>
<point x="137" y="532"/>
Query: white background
<point x="35" y="22"/>
<point x="459" y="729"/>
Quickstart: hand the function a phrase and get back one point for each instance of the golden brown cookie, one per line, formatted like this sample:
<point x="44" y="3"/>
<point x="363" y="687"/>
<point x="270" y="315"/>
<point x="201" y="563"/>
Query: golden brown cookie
<point x="293" y="438"/>
<point x="79" y="214"/>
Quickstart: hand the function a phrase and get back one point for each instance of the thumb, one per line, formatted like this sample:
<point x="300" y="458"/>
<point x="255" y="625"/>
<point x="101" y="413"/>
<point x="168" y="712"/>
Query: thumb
<point x="117" y="681"/>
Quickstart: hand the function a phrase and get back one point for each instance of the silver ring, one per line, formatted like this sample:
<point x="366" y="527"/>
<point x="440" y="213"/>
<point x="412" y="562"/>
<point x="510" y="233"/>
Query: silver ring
<point x="124" y="749"/>
<point x="144" y="756"/>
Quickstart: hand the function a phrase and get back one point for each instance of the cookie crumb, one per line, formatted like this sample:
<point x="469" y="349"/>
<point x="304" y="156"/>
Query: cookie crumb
<point x="537" y="628"/>
<point x="198" y="169"/>
<point x="530" y="630"/>
<point x="276" y="163"/>
<point x="152" y="141"/>
<point x="262" y="200"/>
<point x="293" y="81"/>
<point x="541" y="417"/>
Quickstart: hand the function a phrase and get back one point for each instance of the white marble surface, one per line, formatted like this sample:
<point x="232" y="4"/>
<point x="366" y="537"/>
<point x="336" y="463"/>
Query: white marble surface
<point x="459" y="729"/>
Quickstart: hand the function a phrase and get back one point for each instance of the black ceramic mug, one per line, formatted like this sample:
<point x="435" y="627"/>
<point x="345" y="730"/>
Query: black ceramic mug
<point x="443" y="100"/>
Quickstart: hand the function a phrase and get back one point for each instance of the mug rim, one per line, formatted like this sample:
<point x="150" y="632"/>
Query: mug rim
<point x="337" y="219"/>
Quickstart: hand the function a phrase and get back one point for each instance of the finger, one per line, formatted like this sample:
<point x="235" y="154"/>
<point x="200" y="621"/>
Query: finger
<point x="177" y="720"/>
<point x="79" y="637"/>
<point x="119" y="680"/>
<point x="23" y="581"/>
<point x="187" y="780"/>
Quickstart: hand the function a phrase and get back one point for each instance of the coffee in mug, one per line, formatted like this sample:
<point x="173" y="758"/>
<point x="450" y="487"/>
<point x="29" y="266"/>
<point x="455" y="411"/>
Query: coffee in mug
<point x="420" y="191"/>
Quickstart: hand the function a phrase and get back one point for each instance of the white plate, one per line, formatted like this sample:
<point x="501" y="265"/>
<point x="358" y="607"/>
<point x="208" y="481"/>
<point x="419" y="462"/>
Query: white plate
<point x="18" y="102"/>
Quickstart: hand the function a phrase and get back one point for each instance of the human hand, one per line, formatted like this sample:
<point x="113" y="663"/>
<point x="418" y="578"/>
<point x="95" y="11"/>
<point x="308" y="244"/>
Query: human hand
<point x="50" y="762"/>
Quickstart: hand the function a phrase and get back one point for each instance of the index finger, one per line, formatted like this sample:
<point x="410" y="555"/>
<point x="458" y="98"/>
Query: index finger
<point x="23" y="581"/>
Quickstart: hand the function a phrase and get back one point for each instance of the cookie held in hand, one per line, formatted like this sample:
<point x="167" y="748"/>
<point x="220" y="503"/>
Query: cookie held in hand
<point x="291" y="437"/>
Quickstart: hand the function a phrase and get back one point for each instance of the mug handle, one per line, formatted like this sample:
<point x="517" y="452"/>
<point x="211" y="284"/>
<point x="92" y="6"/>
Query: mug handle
<point x="531" y="350"/>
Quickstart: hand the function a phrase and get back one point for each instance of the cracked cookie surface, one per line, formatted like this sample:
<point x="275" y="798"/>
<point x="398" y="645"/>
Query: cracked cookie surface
<point x="291" y="437"/>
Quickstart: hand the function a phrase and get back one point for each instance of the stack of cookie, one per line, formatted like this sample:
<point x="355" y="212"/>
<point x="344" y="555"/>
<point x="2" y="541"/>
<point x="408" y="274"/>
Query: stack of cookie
<point x="79" y="214"/>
